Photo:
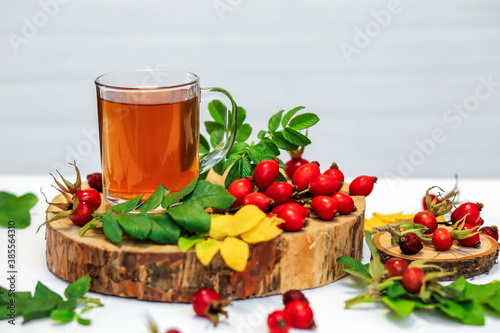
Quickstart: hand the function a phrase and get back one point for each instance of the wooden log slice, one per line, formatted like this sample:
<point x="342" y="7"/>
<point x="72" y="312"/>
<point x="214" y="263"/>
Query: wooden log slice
<point x="467" y="261"/>
<point x="147" y="271"/>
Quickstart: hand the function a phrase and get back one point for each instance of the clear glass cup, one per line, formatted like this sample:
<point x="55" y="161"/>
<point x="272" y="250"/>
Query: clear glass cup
<point x="149" y="131"/>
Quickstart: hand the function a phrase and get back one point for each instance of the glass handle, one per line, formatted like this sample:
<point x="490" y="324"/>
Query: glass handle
<point x="229" y="136"/>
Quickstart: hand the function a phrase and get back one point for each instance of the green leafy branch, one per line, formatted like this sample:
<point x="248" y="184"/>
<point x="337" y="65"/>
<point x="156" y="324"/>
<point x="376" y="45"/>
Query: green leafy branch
<point x="45" y="303"/>
<point x="460" y="300"/>
<point x="282" y="133"/>
<point x="183" y="213"/>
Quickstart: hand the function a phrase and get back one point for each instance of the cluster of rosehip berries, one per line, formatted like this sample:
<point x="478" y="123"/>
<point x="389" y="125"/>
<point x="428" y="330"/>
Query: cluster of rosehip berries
<point x="297" y="314"/>
<point x="321" y="191"/>
<point x="86" y="202"/>
<point x="80" y="203"/>
<point x="207" y="303"/>
<point x="412" y="278"/>
<point x="465" y="220"/>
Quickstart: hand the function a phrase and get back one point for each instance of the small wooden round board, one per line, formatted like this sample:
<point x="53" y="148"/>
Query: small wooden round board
<point x="467" y="261"/>
<point x="147" y="271"/>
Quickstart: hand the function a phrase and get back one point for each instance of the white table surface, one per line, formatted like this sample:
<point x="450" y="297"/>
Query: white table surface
<point x="128" y="315"/>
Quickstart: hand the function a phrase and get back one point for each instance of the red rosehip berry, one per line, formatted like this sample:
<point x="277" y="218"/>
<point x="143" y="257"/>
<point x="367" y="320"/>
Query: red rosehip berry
<point x="207" y="303"/>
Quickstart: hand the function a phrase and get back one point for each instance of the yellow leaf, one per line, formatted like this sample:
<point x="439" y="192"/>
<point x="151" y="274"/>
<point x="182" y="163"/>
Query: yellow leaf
<point x="245" y="219"/>
<point x="265" y="230"/>
<point x="235" y="253"/>
<point x="220" y="225"/>
<point x="206" y="250"/>
<point x="379" y="220"/>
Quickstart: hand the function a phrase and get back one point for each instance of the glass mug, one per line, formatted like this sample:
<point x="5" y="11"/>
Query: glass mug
<point x="149" y="131"/>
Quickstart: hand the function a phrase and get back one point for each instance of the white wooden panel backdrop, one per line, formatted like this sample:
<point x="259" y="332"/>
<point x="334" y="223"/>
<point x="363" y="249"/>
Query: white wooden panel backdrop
<point x="403" y="88"/>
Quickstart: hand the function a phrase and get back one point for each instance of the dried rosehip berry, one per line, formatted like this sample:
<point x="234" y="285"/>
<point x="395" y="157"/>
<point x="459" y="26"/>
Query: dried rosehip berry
<point x="294" y="295"/>
<point x="490" y="231"/>
<point x="95" y="181"/>
<point x="410" y="243"/>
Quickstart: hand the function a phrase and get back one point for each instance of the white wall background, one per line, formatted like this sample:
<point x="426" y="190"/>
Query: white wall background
<point x="403" y="88"/>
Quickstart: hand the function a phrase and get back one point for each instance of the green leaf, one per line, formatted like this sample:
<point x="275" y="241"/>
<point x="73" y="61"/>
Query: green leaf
<point x="270" y="147"/>
<point x="238" y="148"/>
<point x="185" y="243"/>
<point x="261" y="134"/>
<point x="468" y="312"/>
<point x="191" y="217"/>
<point x="112" y="228"/>
<point x="240" y="169"/>
<point x="5" y="196"/>
<point x="494" y="302"/>
<point x="376" y="267"/>
<point x="396" y="290"/>
<point x="62" y="316"/>
<point x="155" y="200"/>
<point x="83" y="321"/>
<point x="42" y="293"/>
<point x="175" y="197"/>
<point x="242" y="116"/>
<point x="282" y="143"/>
<point x="37" y="309"/>
<point x="303" y="121"/>
<point x="204" y="145"/>
<point x="69" y="304"/>
<point x="230" y="161"/>
<point x="206" y="195"/>
<point x="217" y="110"/>
<point x="256" y="153"/>
<point x="402" y="307"/>
<point x="213" y="126"/>
<point x="289" y="115"/>
<point x="127" y="206"/>
<point x="360" y="269"/>
<point x="244" y="132"/>
<point x="16" y="209"/>
<point x="79" y="288"/>
<point x="274" y="121"/>
<point x="164" y="230"/>
<point x="136" y="225"/>
<point x="295" y="137"/>
<point x="216" y="137"/>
